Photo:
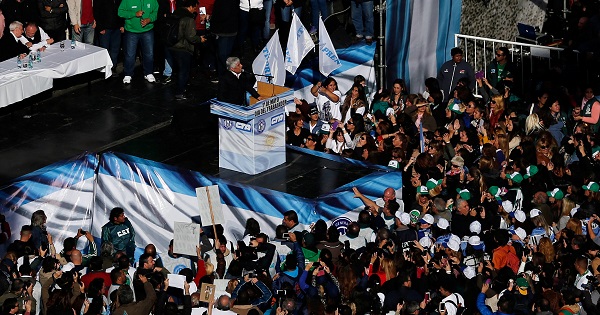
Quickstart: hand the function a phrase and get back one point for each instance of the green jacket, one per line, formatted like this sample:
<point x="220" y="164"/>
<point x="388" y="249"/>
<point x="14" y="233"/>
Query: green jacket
<point x="122" y="236"/>
<point x="187" y="31"/>
<point x="128" y="8"/>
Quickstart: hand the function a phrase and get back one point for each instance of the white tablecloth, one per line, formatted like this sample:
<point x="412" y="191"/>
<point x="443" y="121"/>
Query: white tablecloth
<point x="17" y="84"/>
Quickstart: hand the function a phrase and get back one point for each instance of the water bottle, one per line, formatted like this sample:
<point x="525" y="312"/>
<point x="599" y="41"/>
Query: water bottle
<point x="39" y="56"/>
<point x="19" y="63"/>
<point x="72" y="43"/>
<point x="30" y="63"/>
<point x="62" y="46"/>
<point x="207" y="24"/>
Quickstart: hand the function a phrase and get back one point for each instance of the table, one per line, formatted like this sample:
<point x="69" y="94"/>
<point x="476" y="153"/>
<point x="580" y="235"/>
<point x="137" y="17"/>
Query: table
<point x="18" y="84"/>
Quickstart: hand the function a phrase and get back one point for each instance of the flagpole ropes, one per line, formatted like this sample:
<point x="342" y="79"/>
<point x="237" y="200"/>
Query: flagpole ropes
<point x="381" y="42"/>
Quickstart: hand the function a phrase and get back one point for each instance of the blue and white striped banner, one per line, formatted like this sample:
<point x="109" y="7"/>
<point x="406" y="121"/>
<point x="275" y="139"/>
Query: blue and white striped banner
<point x="419" y="35"/>
<point x="155" y="195"/>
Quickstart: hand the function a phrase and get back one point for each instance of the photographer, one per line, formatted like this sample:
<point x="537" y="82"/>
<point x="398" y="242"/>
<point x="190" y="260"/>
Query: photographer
<point x="250" y="294"/>
<point x="22" y="291"/>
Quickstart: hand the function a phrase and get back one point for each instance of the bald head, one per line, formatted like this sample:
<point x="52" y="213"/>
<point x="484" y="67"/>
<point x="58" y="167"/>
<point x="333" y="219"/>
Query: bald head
<point x="30" y="30"/>
<point x="76" y="257"/>
<point x="389" y="194"/>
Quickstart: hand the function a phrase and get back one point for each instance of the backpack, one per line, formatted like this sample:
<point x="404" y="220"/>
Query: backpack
<point x="460" y="309"/>
<point x="169" y="33"/>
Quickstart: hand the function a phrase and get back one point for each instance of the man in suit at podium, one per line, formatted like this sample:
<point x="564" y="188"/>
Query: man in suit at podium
<point x="234" y="84"/>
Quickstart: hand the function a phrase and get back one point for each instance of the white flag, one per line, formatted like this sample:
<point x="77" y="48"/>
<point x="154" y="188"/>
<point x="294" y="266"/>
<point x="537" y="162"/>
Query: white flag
<point x="328" y="58"/>
<point x="269" y="62"/>
<point x="298" y="45"/>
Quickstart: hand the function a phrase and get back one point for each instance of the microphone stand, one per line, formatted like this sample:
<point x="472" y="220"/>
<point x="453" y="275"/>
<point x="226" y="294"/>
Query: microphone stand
<point x="269" y="80"/>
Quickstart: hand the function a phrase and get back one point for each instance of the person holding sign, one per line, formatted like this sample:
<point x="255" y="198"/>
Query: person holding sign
<point x="119" y="232"/>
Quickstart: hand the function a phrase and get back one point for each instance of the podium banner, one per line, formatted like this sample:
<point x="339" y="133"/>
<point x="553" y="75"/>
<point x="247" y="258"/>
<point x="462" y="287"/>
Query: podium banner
<point x="252" y="139"/>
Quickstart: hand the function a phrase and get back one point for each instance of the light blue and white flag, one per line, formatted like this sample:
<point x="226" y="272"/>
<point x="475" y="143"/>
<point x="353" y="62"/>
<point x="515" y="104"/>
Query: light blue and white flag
<point x="298" y="46"/>
<point x="328" y="58"/>
<point x="269" y="62"/>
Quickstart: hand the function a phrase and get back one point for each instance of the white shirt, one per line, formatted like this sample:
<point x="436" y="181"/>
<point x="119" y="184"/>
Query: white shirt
<point x="43" y="40"/>
<point x="329" y="109"/>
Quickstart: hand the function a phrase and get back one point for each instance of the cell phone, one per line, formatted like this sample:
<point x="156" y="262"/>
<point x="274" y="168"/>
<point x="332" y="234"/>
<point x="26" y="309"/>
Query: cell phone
<point x="202" y="10"/>
<point x="488" y="281"/>
<point x="251" y="274"/>
<point x="280" y="292"/>
<point x="285" y="235"/>
<point x="442" y="307"/>
<point x="335" y="125"/>
<point x="479" y="74"/>
<point x="426" y="297"/>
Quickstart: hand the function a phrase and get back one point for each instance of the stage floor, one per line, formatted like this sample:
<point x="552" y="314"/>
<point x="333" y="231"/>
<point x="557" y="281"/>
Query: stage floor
<point x="143" y="120"/>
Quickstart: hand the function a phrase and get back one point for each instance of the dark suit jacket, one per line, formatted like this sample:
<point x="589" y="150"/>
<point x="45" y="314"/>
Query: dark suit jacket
<point x="11" y="47"/>
<point x="231" y="89"/>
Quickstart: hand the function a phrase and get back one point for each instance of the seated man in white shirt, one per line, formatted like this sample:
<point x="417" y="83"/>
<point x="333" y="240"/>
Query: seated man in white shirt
<point x="37" y="37"/>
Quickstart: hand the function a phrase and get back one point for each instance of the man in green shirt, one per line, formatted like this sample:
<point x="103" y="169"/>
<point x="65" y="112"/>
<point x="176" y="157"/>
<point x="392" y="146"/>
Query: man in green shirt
<point x="139" y="16"/>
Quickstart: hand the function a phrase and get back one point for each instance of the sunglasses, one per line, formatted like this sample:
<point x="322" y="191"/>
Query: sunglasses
<point x="310" y="139"/>
<point x="543" y="147"/>
<point x="363" y="138"/>
<point x="454" y="165"/>
<point x="499" y="55"/>
<point x="350" y="123"/>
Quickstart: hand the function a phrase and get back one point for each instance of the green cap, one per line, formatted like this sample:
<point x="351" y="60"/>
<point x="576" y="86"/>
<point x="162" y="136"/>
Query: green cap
<point x="415" y="215"/>
<point x="455" y="108"/>
<point x="556" y="194"/>
<point x="515" y="177"/>
<point x="496" y="192"/>
<point x="432" y="183"/>
<point x="463" y="193"/>
<point x="593" y="186"/>
<point x="422" y="190"/>
<point x="531" y="170"/>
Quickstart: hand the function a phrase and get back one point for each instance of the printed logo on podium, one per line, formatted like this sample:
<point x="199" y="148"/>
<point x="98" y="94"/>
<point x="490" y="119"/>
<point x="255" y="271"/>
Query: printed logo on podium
<point x="243" y="127"/>
<point x="260" y="126"/>
<point x="227" y="124"/>
<point x="277" y="119"/>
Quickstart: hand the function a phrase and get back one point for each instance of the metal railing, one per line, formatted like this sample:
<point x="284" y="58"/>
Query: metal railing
<point x="480" y="52"/>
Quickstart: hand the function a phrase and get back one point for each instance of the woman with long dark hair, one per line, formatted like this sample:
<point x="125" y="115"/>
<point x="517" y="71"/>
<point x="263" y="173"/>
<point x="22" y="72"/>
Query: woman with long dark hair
<point x="354" y="103"/>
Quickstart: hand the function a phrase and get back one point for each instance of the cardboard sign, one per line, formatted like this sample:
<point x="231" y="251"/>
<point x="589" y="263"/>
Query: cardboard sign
<point x="186" y="237"/>
<point x="207" y="292"/>
<point x="209" y="201"/>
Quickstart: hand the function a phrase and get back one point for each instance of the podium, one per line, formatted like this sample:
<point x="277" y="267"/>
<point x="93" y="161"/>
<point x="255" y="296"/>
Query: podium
<point x="252" y="138"/>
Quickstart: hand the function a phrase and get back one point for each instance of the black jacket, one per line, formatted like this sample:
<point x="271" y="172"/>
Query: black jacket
<point x="55" y="20"/>
<point x="11" y="48"/>
<point x="106" y="13"/>
<point x="25" y="11"/>
<point x="224" y="20"/>
<point x="231" y="89"/>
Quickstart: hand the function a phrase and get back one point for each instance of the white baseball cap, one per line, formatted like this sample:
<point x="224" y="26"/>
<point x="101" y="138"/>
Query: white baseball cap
<point x="475" y="227"/>
<point x="443" y="224"/>
<point x="534" y="213"/>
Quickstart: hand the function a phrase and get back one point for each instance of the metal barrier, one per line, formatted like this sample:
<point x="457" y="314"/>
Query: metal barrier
<point x="480" y="52"/>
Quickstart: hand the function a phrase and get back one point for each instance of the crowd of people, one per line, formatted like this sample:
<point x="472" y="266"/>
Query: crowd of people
<point x="499" y="194"/>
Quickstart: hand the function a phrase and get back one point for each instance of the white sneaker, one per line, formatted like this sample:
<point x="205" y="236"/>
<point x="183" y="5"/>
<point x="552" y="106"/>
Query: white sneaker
<point x="150" y="78"/>
<point x="126" y="79"/>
